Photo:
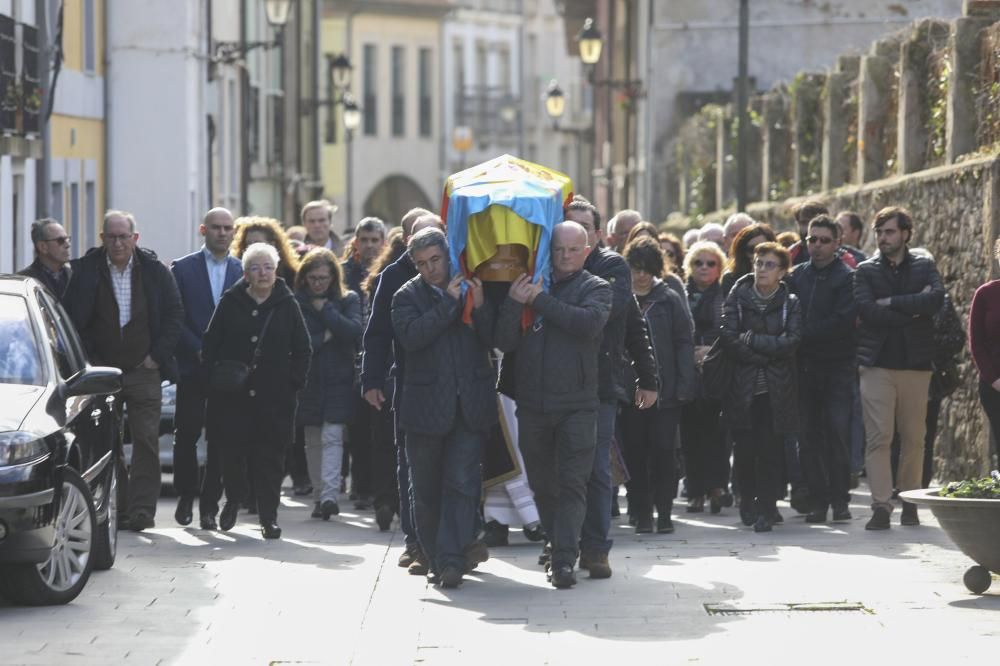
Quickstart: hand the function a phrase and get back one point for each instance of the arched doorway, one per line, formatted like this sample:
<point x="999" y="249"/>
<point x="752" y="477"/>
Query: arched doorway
<point x="393" y="196"/>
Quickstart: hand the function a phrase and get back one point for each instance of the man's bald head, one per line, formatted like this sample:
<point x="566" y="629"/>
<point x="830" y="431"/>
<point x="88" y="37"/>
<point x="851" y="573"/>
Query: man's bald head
<point x="218" y="228"/>
<point x="410" y="218"/>
<point x="218" y="212"/>
<point x="569" y="249"/>
<point x="427" y="221"/>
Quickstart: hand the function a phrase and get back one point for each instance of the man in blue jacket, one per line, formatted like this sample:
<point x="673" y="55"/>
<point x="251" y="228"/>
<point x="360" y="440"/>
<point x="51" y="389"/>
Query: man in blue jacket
<point x="201" y="278"/>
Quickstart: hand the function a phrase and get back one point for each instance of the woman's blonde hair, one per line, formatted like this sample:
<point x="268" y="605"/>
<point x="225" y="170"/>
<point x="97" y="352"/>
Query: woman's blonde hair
<point x="703" y="247"/>
<point x="276" y="237"/>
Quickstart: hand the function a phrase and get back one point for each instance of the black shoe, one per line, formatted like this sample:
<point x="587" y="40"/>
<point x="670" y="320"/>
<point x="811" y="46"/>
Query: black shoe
<point x="420" y="566"/>
<point x="270" y="530"/>
<point x="139" y="521"/>
<point x="664" y="525"/>
<point x="748" y="514"/>
<point x="302" y="489"/>
<point x="763" y="524"/>
<point x="227" y="519"/>
<point x="475" y="554"/>
<point x="841" y="513"/>
<point x="879" y="520"/>
<point x="562" y="577"/>
<point x="408" y="556"/>
<point x="433" y="577"/>
<point x="383" y="517"/>
<point x="546" y="555"/>
<point x="184" y="513"/>
<point x="816" y="516"/>
<point x="329" y="508"/>
<point x="495" y="534"/>
<point x="717" y="502"/>
<point x="800" y="500"/>
<point x="208" y="523"/>
<point x="644" y="525"/>
<point x="535" y="533"/>
<point x="909" y="517"/>
<point x="696" y="505"/>
<point x="451" y="577"/>
<point x="317" y="512"/>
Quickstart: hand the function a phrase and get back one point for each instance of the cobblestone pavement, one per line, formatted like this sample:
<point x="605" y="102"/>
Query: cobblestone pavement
<point x="330" y="593"/>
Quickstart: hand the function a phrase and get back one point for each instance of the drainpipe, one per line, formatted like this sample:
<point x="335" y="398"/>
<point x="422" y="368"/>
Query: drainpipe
<point x="43" y="169"/>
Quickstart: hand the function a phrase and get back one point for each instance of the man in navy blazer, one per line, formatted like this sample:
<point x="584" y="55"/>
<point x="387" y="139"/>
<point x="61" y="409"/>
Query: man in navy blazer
<point x="201" y="278"/>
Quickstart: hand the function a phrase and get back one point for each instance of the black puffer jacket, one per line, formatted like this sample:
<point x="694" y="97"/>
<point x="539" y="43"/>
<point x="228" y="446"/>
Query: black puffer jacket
<point x="555" y="368"/>
<point x="611" y="267"/>
<point x="908" y="319"/>
<point x="670" y="330"/>
<point x="776" y="334"/>
<point x="335" y="332"/>
<point x="826" y="296"/>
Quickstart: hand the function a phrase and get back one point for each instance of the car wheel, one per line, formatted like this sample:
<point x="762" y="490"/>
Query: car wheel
<point x="63" y="575"/>
<point x="106" y="540"/>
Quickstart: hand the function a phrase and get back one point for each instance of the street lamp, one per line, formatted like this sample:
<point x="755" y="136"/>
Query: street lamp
<point x="277" y="17"/>
<point x="341" y="69"/>
<point x="590" y="40"/>
<point x="277" y="12"/>
<point x="352" y="114"/>
<point x="555" y="101"/>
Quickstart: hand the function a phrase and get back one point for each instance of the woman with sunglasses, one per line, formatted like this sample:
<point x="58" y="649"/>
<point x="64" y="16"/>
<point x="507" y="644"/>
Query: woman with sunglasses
<point x="706" y="460"/>
<point x="741" y="253"/>
<point x="761" y="329"/>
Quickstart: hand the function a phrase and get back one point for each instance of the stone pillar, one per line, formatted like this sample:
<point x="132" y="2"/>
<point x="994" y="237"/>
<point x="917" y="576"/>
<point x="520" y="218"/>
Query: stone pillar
<point x="835" y="94"/>
<point x="913" y="133"/>
<point x="984" y="9"/>
<point x="874" y="86"/>
<point x="724" y="162"/>
<point x="808" y="141"/>
<point x="962" y="121"/>
<point x="755" y="150"/>
<point x="776" y="148"/>
<point x="683" y="200"/>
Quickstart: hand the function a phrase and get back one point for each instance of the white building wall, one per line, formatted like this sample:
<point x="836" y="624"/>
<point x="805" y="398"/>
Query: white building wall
<point x="156" y="121"/>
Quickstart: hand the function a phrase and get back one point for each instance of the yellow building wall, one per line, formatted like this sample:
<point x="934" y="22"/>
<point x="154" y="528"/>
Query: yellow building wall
<point x="333" y="156"/>
<point x="80" y="139"/>
<point x="73" y="35"/>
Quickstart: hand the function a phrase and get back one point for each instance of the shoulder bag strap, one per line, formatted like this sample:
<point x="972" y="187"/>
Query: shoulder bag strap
<point x="260" y="340"/>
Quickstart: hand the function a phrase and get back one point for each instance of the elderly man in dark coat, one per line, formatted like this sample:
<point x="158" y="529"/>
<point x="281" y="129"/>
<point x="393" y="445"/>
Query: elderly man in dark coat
<point x="448" y="404"/>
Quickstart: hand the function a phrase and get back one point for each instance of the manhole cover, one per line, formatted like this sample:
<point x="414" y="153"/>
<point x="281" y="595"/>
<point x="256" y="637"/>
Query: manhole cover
<point x="737" y="608"/>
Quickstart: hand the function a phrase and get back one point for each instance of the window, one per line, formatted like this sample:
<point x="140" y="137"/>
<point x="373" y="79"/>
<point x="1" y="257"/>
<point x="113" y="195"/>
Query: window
<point x="74" y="218"/>
<point x="398" y="91"/>
<point x="89" y="36"/>
<point x="57" y="205"/>
<point x="66" y="349"/>
<point x="19" y="360"/>
<point x="90" y="212"/>
<point x="370" y="83"/>
<point x="503" y="66"/>
<point x="425" y="91"/>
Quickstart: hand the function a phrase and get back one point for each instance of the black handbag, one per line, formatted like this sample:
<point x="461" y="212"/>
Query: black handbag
<point x="232" y="376"/>
<point x="717" y="371"/>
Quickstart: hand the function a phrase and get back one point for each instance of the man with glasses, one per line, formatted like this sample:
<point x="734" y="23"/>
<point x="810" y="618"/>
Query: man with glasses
<point x="128" y="312"/>
<point x="202" y="277"/>
<point x="51" y="264"/>
<point x="824" y="286"/>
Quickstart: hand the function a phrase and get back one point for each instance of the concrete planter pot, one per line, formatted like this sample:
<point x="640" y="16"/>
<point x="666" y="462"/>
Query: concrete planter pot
<point x="973" y="525"/>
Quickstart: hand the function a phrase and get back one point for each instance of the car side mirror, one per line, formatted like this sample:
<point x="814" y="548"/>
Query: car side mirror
<point x="93" y="381"/>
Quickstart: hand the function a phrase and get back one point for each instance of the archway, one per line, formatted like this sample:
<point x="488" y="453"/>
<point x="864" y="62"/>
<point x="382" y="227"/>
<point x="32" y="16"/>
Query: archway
<point x="393" y="196"/>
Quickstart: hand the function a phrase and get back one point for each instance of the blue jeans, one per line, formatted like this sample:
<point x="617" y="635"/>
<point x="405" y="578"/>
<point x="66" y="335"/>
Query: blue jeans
<point x="403" y="479"/>
<point x="446" y="476"/>
<point x="597" y="522"/>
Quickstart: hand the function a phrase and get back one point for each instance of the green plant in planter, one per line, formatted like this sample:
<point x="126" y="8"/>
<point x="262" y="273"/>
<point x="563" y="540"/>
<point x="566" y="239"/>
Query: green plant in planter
<point x="986" y="488"/>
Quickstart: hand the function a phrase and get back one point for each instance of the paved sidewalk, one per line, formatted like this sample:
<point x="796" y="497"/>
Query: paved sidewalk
<point x="331" y="593"/>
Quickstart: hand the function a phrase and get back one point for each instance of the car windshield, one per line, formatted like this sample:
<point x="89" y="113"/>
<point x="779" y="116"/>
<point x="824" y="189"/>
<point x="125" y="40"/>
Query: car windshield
<point x="19" y="359"/>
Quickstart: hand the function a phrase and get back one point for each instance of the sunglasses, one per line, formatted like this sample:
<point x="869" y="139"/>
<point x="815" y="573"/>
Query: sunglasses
<point x="711" y="263"/>
<point x="825" y="240"/>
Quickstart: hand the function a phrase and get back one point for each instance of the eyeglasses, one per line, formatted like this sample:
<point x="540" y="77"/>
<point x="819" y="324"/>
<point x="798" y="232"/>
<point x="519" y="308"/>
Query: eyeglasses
<point x="113" y="239"/>
<point x="711" y="263"/>
<point x="61" y="240"/>
<point x="318" y="279"/>
<point x="261" y="268"/>
<point x="768" y="265"/>
<point x="825" y="240"/>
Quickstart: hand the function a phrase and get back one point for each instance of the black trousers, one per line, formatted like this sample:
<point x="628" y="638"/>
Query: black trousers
<point x="296" y="465"/>
<point x="385" y="486"/>
<point x="825" y="442"/>
<point x="990" y="400"/>
<point x="359" y="446"/>
<point x="706" y="458"/>
<point x="189" y="421"/>
<point x="266" y="460"/>
<point x="758" y="454"/>
<point x="650" y="453"/>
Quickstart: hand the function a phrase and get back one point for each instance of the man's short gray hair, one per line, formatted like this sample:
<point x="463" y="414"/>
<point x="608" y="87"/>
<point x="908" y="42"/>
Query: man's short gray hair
<point x="371" y="225"/>
<point x="258" y="251"/>
<point x="38" y="228"/>
<point x="112" y="213"/>
<point x="425" y="239"/>
<point x="711" y="228"/>
<point x="737" y="219"/>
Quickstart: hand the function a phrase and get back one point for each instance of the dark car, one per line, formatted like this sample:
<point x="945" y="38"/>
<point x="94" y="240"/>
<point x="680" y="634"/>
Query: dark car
<point x="60" y="451"/>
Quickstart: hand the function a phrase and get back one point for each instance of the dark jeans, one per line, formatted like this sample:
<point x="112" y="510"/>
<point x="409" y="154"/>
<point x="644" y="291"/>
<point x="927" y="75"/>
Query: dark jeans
<point x="266" y="460"/>
<point x="446" y="476"/>
<point x="558" y="450"/>
<point x="383" y="457"/>
<point x="758" y="456"/>
<point x="406" y="521"/>
<point x="597" y="523"/>
<point x="650" y="453"/>
<point x="706" y="460"/>
<point x="825" y="397"/>
<point x="990" y="400"/>
<point x="359" y="445"/>
<point x="295" y="461"/>
<point x="189" y="421"/>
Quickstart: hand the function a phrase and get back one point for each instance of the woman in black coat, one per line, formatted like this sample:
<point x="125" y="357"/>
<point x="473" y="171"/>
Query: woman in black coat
<point x="649" y="432"/>
<point x="761" y="328"/>
<point x="255" y="422"/>
<point x="706" y="457"/>
<point x="333" y="318"/>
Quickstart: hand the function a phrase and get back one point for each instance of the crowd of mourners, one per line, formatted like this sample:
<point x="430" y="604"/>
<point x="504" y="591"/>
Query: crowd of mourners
<point x="736" y="367"/>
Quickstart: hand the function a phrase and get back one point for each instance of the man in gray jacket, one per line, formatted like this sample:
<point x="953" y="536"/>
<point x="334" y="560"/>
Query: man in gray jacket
<point x="448" y="403"/>
<point x="556" y="381"/>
